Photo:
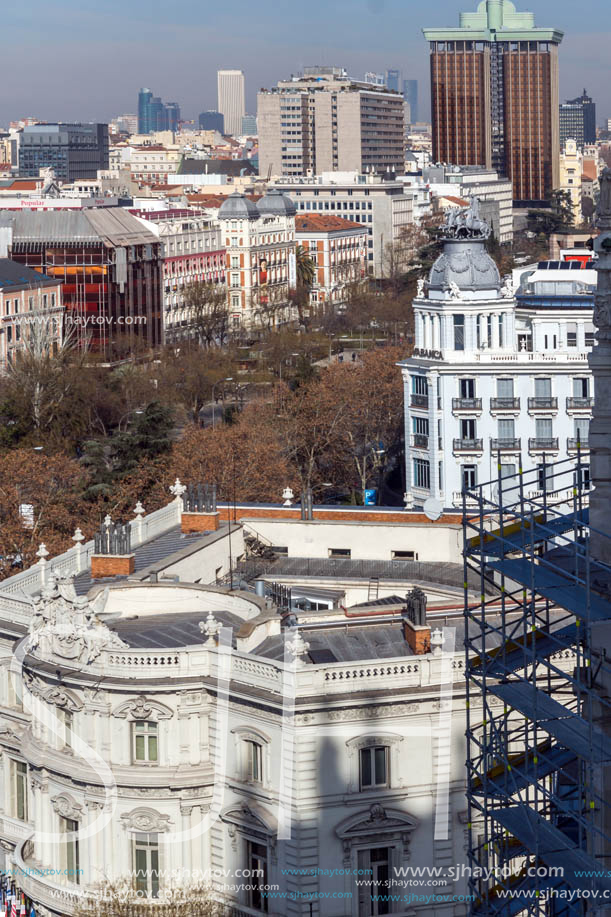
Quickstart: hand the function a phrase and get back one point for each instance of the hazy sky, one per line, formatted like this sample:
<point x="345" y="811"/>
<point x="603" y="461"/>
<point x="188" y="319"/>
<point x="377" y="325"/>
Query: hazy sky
<point x="82" y="59"/>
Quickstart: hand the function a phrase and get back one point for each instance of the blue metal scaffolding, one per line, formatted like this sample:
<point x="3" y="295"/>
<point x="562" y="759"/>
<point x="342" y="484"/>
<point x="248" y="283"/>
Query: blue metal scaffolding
<point x="538" y="716"/>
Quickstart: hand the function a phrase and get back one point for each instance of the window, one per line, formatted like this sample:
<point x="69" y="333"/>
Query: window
<point x="508" y="482"/>
<point x="581" y="388"/>
<point x="374" y="767"/>
<point x="543" y="388"/>
<point x="590" y="332"/>
<point x="419" y="385"/>
<point x="504" y="388"/>
<point x="374" y="896"/>
<point x="340" y="552"/>
<point x="403" y="555"/>
<point x="582" y="428"/>
<point x="459" y="332"/>
<point x="507" y="428"/>
<point x="544" y="429"/>
<point x="235" y="260"/>
<point x="467" y="388"/>
<point x="422" y="474"/>
<point x="66" y="728"/>
<point x="571" y="334"/>
<point x="145" y="741"/>
<point x="467" y="428"/>
<point x="146" y="864"/>
<point x="257" y="864"/>
<point x="70" y="849"/>
<point x="545" y="476"/>
<point x="501" y="330"/>
<point x="19" y="779"/>
<point x="420" y="426"/>
<point x="469" y="477"/>
<point x="254" y="761"/>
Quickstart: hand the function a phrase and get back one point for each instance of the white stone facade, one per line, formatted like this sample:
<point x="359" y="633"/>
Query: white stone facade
<point x="496" y="375"/>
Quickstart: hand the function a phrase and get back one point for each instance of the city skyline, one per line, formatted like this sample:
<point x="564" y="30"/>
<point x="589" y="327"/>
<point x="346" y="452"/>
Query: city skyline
<point x="385" y="34"/>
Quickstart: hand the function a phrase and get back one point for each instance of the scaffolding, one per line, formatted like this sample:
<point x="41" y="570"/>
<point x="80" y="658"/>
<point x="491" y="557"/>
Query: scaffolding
<point x="538" y="686"/>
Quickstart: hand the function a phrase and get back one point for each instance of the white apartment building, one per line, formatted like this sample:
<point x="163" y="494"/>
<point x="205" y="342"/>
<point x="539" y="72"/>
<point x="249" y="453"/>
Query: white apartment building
<point x="231" y="99"/>
<point x="495" y="376"/>
<point x="158" y="738"/>
<point x="147" y="163"/>
<point x="384" y="207"/>
<point x="325" y="121"/>
<point x="259" y="239"/>
<point x="192" y="253"/>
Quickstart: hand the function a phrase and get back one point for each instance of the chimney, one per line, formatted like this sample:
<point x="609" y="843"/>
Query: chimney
<point x="199" y="513"/>
<point x="416" y="631"/>
<point x="113" y="555"/>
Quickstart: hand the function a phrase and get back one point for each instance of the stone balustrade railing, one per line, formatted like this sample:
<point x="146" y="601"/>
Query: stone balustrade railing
<point x="78" y="558"/>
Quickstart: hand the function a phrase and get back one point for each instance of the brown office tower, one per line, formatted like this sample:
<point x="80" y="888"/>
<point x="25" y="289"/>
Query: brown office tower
<point x="494" y="97"/>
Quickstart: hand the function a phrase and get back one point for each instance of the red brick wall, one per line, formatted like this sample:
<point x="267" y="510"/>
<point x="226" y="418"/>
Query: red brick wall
<point x="199" y="522"/>
<point x="112" y="565"/>
<point x="335" y="515"/>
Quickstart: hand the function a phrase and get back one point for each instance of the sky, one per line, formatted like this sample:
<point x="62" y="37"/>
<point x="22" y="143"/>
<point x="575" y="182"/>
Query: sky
<point x="86" y="60"/>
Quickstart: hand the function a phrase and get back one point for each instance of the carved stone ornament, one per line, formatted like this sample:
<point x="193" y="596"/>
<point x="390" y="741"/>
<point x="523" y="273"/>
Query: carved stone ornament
<point x="375" y="822"/>
<point x="251" y="817"/>
<point x="146" y="820"/>
<point x="67" y="807"/>
<point x="55" y="695"/>
<point x="143" y="708"/>
<point x="603" y="211"/>
<point x="66" y="626"/>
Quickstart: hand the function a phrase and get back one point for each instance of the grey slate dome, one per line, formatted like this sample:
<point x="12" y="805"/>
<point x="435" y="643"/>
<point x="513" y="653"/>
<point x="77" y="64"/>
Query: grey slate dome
<point x="466" y="263"/>
<point x="275" y="203"/>
<point x="238" y="207"/>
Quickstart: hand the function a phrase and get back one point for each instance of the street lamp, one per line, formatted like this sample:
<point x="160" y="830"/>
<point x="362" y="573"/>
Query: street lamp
<point x="228" y="379"/>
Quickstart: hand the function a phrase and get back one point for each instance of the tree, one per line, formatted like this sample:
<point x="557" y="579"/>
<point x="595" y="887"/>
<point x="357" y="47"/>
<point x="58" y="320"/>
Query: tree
<point x="148" y="437"/>
<point x="207" y="313"/>
<point x="121" y="898"/>
<point x="306" y="270"/>
<point x="40" y="501"/>
<point x="559" y="216"/>
<point x="186" y="376"/>
<point x="246" y="460"/>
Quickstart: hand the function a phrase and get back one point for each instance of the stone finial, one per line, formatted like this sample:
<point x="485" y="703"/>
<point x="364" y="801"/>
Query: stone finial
<point x="288" y="496"/>
<point x="42" y="553"/>
<point x="138" y="509"/>
<point x="107" y="521"/>
<point x="210" y="627"/>
<point x="78" y="536"/>
<point x="178" y="489"/>
<point x="436" y="642"/>
<point x="296" y="645"/>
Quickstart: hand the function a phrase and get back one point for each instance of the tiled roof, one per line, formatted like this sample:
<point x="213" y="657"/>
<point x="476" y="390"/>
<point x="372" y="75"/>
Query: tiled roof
<point x="13" y="274"/>
<point x="459" y="201"/>
<point x="316" y="222"/>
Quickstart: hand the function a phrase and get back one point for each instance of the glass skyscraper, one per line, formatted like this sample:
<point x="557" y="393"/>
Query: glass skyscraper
<point x="155" y="115"/>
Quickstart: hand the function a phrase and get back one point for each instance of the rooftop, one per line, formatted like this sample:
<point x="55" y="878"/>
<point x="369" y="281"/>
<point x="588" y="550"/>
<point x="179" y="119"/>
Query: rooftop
<point x="15" y="275"/>
<point x="324" y="223"/>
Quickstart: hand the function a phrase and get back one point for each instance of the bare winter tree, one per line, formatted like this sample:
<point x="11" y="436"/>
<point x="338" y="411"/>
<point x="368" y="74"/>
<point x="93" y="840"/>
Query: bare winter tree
<point x="207" y="314"/>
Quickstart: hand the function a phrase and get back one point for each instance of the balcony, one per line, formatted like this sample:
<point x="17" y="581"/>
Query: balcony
<point x="573" y="444"/>
<point x="549" y="444"/>
<point x="504" y="404"/>
<point x="419" y="401"/>
<point x="420" y="441"/>
<point x="507" y="444"/>
<point x="468" y="445"/>
<point x="466" y="404"/>
<point x="579" y="404"/>
<point x="542" y="404"/>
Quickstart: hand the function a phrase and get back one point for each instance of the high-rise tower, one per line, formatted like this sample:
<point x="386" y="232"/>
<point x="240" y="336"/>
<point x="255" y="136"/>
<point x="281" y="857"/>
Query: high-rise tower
<point x="494" y="91"/>
<point x="231" y="99"/>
